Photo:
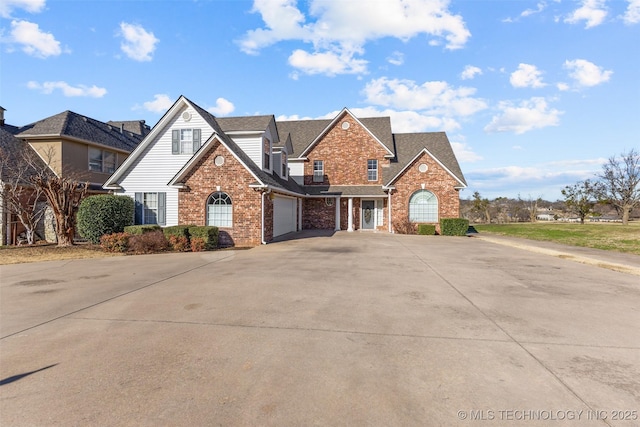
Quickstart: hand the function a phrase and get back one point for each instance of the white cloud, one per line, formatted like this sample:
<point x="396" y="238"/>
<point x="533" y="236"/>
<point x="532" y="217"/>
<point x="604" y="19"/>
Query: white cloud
<point x="436" y="97"/>
<point x="68" y="90"/>
<point x="528" y="115"/>
<point x="334" y="32"/>
<point x="138" y="44"/>
<point x="587" y="73"/>
<point x="222" y="108"/>
<point x="527" y="75"/>
<point x="563" y="87"/>
<point x="396" y="58"/>
<point x="528" y="12"/>
<point x="593" y="12"/>
<point x="632" y="14"/>
<point x="31" y="6"/>
<point x="34" y="41"/>
<point x="470" y="72"/>
<point x="464" y="153"/>
<point x="329" y="63"/>
<point x="161" y="103"/>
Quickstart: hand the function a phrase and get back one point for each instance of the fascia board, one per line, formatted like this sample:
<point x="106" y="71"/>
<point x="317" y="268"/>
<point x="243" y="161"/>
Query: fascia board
<point x="424" y="150"/>
<point x="333" y="122"/>
<point x="151" y="136"/>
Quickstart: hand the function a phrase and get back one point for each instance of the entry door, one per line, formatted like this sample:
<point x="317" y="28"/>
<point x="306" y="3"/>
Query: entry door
<point x="368" y="214"/>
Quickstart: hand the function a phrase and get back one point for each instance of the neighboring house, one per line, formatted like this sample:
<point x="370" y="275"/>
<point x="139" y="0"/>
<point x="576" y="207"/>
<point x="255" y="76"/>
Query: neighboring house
<point x="74" y="146"/>
<point x="83" y="148"/>
<point x="257" y="179"/>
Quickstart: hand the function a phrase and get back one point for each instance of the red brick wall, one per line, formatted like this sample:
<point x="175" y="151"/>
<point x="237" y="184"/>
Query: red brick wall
<point x="436" y="179"/>
<point x="317" y="215"/>
<point x="345" y="154"/>
<point x="233" y="179"/>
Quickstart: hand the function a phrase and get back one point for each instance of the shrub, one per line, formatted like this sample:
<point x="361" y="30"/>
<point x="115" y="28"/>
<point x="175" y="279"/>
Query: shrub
<point x="426" y="229"/>
<point x="104" y="214"/>
<point x="141" y="229"/>
<point x="404" y="226"/>
<point x="177" y="230"/>
<point x="116" y="242"/>
<point x="148" y="242"/>
<point x="178" y="243"/>
<point x="207" y="233"/>
<point x="454" y="226"/>
<point x="197" y="244"/>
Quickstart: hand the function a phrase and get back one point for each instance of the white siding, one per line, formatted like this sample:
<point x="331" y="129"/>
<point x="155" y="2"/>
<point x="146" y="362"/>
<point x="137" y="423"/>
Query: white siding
<point x="156" y="166"/>
<point x="252" y="146"/>
<point x="296" y="171"/>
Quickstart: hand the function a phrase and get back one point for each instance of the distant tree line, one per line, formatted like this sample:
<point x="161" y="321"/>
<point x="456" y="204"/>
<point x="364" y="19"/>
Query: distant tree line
<point x="616" y="189"/>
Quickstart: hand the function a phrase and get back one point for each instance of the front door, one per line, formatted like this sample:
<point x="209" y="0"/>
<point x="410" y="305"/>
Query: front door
<point x="368" y="214"/>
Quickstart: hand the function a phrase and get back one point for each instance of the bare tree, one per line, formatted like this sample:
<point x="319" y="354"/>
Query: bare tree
<point x="18" y="162"/>
<point x="620" y="179"/>
<point x="580" y="198"/>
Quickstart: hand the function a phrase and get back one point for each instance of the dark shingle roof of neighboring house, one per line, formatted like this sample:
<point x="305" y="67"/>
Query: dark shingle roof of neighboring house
<point x="138" y="127"/>
<point x="12" y="147"/>
<point x="77" y="126"/>
<point x="304" y="132"/>
<point x="409" y="145"/>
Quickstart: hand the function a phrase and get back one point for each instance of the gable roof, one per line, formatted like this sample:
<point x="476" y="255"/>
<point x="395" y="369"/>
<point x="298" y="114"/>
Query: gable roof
<point x="138" y="127"/>
<point x="411" y="145"/>
<point x="244" y="123"/>
<point x="306" y="133"/>
<point x="72" y="125"/>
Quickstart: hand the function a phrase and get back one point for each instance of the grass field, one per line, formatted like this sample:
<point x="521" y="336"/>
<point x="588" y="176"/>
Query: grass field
<point x="607" y="236"/>
<point x="20" y="254"/>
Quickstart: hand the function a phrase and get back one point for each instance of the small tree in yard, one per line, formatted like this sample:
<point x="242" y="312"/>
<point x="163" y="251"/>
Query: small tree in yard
<point x="22" y="199"/>
<point x="580" y="198"/>
<point x="481" y="206"/>
<point x="63" y="195"/>
<point x="620" y="183"/>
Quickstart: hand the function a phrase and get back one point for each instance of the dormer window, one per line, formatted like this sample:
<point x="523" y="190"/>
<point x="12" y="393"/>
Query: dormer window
<point x="266" y="156"/>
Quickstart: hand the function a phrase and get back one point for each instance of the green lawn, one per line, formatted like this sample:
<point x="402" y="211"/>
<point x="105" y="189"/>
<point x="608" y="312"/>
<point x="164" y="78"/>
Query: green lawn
<point x="608" y="236"/>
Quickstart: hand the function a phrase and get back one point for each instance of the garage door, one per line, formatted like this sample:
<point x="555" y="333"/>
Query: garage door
<point x="284" y="215"/>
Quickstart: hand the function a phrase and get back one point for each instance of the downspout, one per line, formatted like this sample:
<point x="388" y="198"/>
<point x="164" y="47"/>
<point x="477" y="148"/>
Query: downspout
<point x="264" y="193"/>
<point x="389" y="212"/>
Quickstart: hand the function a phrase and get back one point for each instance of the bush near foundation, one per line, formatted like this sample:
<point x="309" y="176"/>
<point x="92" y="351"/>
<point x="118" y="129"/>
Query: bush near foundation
<point x="104" y="214"/>
<point x="454" y="226"/>
<point x="404" y="226"/>
<point x="426" y="229"/>
<point x="208" y="234"/>
<point x="148" y="242"/>
<point x="141" y="229"/>
<point x="178" y="237"/>
<point x="116" y="242"/>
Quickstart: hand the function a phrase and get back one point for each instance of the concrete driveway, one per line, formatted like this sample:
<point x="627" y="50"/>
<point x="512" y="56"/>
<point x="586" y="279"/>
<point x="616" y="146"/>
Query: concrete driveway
<point x="352" y="329"/>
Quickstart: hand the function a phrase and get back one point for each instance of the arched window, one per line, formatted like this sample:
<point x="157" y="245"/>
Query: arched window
<point x="423" y="207"/>
<point x="219" y="210"/>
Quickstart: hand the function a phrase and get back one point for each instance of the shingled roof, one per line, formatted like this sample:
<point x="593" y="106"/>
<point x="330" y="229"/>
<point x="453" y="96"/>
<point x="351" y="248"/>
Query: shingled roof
<point x="77" y="126"/>
<point x="244" y="123"/>
<point x="11" y="149"/>
<point x="409" y="145"/>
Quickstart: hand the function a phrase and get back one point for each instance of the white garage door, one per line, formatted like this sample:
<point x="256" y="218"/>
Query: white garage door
<point x="284" y="215"/>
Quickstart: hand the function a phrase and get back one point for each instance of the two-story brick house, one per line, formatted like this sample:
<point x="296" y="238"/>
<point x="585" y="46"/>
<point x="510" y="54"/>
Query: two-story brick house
<point x="257" y="178"/>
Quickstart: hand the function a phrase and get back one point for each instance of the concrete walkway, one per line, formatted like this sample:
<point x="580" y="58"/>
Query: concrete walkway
<point x="348" y="329"/>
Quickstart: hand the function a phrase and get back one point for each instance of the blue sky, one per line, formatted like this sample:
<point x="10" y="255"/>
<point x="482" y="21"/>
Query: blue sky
<point x="534" y="95"/>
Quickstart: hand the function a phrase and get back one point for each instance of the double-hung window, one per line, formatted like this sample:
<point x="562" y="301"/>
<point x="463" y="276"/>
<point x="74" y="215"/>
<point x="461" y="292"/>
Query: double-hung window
<point x="101" y="160"/>
<point x="220" y="210"/>
<point x="372" y="170"/>
<point x="185" y="141"/>
<point x="318" y="171"/>
<point x="150" y="208"/>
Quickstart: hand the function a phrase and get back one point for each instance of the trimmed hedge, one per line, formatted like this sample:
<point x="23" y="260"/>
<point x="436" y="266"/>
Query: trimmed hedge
<point x="208" y="234"/>
<point x="454" y="226"/>
<point x="177" y="230"/>
<point x="426" y="229"/>
<point x="141" y="229"/>
<point x="104" y="214"/>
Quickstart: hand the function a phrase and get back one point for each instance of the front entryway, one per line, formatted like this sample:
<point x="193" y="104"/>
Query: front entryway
<point x="368" y="215"/>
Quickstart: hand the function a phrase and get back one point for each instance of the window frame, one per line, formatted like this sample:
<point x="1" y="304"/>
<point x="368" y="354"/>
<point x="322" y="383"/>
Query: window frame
<point x="186" y="142"/>
<point x="423" y="210"/>
<point x="223" y="218"/>
<point x="371" y="170"/>
<point x="145" y="213"/>
<point x="101" y="165"/>
<point x="318" y="177"/>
